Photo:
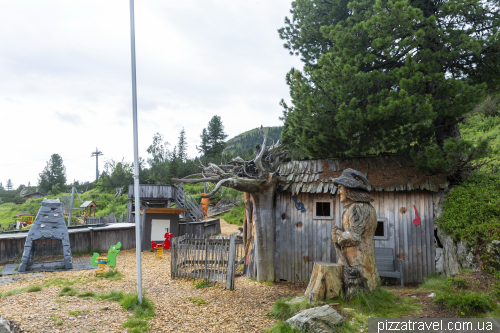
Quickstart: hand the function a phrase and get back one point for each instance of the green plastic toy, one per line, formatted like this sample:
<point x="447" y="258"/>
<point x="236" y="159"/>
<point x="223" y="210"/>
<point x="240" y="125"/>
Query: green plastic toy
<point x="112" y="253"/>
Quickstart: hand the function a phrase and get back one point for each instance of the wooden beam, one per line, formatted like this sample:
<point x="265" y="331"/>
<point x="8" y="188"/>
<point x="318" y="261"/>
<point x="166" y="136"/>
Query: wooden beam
<point x="165" y="210"/>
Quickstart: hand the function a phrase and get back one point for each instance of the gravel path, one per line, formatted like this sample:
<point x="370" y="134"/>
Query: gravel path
<point x="241" y="310"/>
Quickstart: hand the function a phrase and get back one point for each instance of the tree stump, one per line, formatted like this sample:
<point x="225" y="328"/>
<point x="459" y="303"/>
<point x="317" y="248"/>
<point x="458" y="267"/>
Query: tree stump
<point x="326" y="281"/>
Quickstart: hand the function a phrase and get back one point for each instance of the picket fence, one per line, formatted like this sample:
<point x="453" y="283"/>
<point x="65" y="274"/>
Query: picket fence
<point x="213" y="259"/>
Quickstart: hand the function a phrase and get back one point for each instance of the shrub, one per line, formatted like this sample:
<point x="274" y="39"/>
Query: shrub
<point x="466" y="303"/>
<point x="471" y="211"/>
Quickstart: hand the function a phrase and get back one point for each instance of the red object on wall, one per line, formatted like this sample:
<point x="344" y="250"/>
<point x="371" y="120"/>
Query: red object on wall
<point x="417" y="220"/>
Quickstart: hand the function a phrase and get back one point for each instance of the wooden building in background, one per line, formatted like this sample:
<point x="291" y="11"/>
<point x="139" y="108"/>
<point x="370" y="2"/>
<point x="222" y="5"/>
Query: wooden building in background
<point x="400" y="191"/>
<point x="158" y="216"/>
<point x="34" y="195"/>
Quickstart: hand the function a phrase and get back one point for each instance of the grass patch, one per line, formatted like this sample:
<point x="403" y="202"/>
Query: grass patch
<point x="142" y="313"/>
<point x="34" y="288"/>
<point x="30" y="289"/>
<point x="282" y="328"/>
<point x="198" y="301"/>
<point x="452" y="294"/>
<point x="200" y="284"/>
<point x="86" y="294"/>
<point x="382" y="303"/>
<point x="74" y="313"/>
<point x="267" y="283"/>
<point x="466" y="303"/>
<point x="282" y="311"/>
<point x="67" y="291"/>
<point x="60" y="323"/>
<point x="17" y="267"/>
<point x="113" y="275"/>
<point x="60" y="301"/>
<point x="235" y="215"/>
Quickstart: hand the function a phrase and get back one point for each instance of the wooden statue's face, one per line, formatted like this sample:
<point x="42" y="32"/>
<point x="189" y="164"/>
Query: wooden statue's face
<point x="343" y="197"/>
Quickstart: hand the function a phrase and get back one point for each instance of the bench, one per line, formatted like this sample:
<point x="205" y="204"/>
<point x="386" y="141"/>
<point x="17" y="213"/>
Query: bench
<point x="387" y="265"/>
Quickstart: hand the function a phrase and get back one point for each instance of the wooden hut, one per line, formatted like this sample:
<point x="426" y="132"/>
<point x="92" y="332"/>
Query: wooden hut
<point x="400" y="191"/>
<point x="87" y="208"/>
<point x="34" y="195"/>
<point x="158" y="217"/>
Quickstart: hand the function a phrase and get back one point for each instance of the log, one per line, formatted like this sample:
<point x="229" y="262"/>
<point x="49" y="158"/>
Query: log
<point x="326" y="281"/>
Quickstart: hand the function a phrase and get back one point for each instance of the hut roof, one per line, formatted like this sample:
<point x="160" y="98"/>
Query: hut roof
<point x="384" y="172"/>
<point x="88" y="203"/>
<point x="26" y="195"/>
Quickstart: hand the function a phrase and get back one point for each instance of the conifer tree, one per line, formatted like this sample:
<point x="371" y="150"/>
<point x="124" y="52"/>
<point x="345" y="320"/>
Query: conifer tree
<point x="212" y="138"/>
<point x="53" y="173"/>
<point x="182" y="146"/>
<point x="390" y="76"/>
<point x="9" y="185"/>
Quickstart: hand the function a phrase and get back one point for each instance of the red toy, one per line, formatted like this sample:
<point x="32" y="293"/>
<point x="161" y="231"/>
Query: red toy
<point x="166" y="244"/>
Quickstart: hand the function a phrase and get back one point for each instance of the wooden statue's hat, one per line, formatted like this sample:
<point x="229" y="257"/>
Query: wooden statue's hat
<point x="351" y="178"/>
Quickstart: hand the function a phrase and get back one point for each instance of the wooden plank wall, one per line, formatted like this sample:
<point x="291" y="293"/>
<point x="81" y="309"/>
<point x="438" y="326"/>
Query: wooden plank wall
<point x="80" y="242"/>
<point x="302" y="240"/>
<point x="152" y="191"/>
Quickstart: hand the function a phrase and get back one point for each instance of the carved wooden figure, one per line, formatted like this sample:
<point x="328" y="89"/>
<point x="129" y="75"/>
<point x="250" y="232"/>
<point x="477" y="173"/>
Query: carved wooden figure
<point x="359" y="222"/>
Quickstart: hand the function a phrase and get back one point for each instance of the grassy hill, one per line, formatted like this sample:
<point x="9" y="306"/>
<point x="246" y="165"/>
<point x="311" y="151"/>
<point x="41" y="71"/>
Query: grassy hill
<point x="244" y="143"/>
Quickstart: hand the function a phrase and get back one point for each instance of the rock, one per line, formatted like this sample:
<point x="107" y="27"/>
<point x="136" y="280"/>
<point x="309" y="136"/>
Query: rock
<point x="246" y="319"/>
<point x="71" y="318"/>
<point x="297" y="299"/>
<point x="450" y="259"/>
<point x="431" y="295"/>
<point x="54" y="308"/>
<point x="322" y="319"/>
<point x="466" y="259"/>
<point x="7" y="326"/>
<point x="439" y="261"/>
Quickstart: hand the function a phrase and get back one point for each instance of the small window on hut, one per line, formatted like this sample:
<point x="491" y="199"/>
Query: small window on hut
<point x="323" y="209"/>
<point x="381" y="230"/>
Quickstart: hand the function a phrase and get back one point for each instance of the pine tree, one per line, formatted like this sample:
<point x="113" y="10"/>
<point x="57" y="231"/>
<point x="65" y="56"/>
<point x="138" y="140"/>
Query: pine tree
<point x="212" y="139"/>
<point x="1" y="187"/>
<point x="182" y="146"/>
<point x="53" y="173"/>
<point x="390" y="76"/>
<point x="9" y="185"/>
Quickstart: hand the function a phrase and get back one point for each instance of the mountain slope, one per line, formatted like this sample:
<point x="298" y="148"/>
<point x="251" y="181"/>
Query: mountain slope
<point x="244" y="143"/>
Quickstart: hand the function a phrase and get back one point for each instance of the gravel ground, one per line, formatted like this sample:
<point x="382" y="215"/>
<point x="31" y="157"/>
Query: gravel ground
<point x="241" y="310"/>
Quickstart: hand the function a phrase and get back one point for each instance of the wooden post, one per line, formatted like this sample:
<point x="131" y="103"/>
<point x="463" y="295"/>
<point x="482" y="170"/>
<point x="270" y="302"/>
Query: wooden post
<point x="326" y="281"/>
<point x="206" y="259"/>
<point x="231" y="263"/>
<point x="173" y="263"/>
<point x="91" y="239"/>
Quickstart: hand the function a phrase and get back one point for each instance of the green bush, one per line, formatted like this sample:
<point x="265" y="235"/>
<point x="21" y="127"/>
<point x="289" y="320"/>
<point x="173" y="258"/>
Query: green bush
<point x="466" y="303"/>
<point x="471" y="211"/>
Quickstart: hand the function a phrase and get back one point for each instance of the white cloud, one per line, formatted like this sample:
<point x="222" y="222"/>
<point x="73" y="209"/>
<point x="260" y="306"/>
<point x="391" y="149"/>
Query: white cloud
<point x="66" y="88"/>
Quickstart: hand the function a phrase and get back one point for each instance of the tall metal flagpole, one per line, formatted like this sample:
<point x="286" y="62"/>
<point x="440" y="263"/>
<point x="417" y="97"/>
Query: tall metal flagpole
<point x="136" y="160"/>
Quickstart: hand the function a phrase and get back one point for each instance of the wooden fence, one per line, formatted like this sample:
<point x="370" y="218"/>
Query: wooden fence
<point x="210" y="259"/>
<point x="81" y="240"/>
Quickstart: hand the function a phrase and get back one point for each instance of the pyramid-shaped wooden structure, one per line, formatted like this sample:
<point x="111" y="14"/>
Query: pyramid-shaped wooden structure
<point x="49" y="223"/>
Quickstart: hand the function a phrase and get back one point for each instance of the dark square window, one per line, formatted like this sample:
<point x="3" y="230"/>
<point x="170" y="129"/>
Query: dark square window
<point x="323" y="208"/>
<point x="380" y="231"/>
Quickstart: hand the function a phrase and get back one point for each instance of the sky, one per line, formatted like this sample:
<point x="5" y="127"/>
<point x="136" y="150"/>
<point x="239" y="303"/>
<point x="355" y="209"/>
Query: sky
<point x="65" y="77"/>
